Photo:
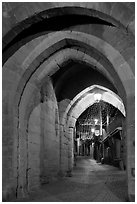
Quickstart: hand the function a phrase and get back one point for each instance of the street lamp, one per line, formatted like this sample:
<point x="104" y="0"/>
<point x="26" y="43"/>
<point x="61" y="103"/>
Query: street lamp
<point x="97" y="97"/>
<point x="92" y="130"/>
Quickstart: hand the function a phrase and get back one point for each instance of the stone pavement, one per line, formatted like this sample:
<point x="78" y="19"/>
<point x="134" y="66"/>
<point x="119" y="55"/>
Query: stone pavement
<point x="90" y="182"/>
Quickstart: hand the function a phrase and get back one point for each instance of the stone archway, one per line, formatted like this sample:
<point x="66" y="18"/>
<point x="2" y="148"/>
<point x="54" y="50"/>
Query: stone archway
<point x="105" y="11"/>
<point x="30" y="73"/>
<point x="77" y="106"/>
<point x="55" y="64"/>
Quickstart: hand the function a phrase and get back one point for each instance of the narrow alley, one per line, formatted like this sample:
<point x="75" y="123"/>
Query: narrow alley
<point x="68" y="95"/>
<point x="90" y="182"/>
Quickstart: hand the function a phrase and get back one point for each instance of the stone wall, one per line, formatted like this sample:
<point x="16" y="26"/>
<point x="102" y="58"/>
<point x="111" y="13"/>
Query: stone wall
<point x="36" y="146"/>
<point x="27" y="60"/>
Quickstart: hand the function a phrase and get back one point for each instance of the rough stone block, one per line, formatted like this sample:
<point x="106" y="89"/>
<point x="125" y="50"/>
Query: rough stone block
<point x="121" y="13"/>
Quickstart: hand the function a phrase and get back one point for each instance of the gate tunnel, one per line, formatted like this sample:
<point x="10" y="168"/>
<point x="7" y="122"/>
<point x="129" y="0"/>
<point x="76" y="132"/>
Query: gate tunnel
<point x="49" y="75"/>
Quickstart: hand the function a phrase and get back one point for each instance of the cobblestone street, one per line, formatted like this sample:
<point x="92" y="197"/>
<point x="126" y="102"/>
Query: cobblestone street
<point x="90" y="182"/>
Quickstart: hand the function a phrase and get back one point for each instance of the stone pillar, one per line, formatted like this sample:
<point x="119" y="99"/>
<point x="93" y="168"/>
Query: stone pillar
<point x="130" y="140"/>
<point x="64" y="153"/>
<point x="123" y="144"/>
<point x="49" y="138"/>
<point x="23" y="141"/>
<point x="78" y="145"/>
<point x="35" y="143"/>
<point x="71" y="149"/>
<point x="61" y="151"/>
